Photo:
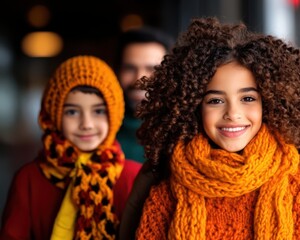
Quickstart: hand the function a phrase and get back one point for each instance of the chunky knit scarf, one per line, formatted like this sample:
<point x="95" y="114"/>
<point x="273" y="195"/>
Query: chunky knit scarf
<point x="198" y="171"/>
<point x="93" y="183"/>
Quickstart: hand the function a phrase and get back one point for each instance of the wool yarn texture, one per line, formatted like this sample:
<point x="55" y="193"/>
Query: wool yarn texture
<point x="76" y="71"/>
<point x="93" y="180"/>
<point x="215" y="194"/>
<point x="198" y="171"/>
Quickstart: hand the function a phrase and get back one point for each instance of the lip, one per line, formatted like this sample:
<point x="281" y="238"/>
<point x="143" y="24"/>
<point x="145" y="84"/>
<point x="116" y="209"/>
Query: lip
<point x="233" y="131"/>
<point x="86" y="137"/>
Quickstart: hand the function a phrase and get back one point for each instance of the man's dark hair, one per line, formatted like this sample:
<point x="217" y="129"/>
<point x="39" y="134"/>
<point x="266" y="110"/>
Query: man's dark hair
<point x="142" y="35"/>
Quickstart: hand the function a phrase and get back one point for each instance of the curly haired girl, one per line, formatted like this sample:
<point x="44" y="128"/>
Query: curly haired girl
<point x="221" y="130"/>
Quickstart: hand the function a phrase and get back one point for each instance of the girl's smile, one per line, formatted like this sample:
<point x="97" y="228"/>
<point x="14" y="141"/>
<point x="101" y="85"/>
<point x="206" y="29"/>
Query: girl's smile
<point x="86" y="137"/>
<point x="233" y="131"/>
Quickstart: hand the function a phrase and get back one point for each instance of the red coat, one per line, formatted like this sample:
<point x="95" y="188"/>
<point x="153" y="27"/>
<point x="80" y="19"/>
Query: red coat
<point x="33" y="202"/>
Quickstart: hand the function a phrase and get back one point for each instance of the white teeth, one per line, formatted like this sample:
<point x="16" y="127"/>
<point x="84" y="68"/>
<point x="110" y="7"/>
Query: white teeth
<point x="233" y="129"/>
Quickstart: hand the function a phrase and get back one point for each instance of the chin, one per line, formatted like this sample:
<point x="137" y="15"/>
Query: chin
<point x="87" y="149"/>
<point x="234" y="149"/>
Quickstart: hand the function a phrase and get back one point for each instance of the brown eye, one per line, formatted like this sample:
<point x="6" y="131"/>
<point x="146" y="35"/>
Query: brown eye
<point x="214" y="101"/>
<point x="70" y="112"/>
<point x="101" y="111"/>
<point x="248" y="99"/>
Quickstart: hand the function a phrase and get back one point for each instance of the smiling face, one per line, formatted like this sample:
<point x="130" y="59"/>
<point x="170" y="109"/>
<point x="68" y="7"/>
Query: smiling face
<point x="232" y="107"/>
<point x="85" y="120"/>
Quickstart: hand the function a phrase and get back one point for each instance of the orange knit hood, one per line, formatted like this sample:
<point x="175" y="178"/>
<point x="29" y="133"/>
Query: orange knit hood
<point x="82" y="70"/>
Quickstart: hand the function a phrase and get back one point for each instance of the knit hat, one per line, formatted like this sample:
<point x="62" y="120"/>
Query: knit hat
<point x="82" y="70"/>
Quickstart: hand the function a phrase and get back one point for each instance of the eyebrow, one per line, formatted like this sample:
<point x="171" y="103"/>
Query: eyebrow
<point x="242" y="90"/>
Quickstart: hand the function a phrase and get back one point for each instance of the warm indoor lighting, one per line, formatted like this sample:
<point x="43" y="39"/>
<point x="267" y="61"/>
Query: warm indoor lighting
<point x="131" y="21"/>
<point x="42" y="44"/>
<point x="38" y="16"/>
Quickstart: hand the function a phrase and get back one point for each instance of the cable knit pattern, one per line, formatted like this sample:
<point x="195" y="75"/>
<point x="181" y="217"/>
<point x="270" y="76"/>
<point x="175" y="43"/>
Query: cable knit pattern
<point x="157" y="214"/>
<point x="221" y="195"/>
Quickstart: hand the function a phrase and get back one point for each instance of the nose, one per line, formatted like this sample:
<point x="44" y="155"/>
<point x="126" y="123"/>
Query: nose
<point x="86" y="122"/>
<point x="232" y="112"/>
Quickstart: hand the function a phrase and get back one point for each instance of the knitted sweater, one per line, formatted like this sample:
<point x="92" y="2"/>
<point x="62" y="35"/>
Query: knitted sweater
<point x="227" y="218"/>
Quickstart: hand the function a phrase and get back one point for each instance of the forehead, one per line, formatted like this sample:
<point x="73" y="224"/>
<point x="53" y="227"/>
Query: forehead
<point x="144" y="52"/>
<point x="79" y="98"/>
<point x="232" y="76"/>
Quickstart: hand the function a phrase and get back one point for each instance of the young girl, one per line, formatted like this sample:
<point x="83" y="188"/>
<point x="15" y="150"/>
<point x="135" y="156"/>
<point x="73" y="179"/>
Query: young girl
<point x="221" y="129"/>
<point x="77" y="186"/>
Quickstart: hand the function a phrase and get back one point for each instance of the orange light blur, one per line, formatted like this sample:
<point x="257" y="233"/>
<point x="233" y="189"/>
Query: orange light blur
<point x="42" y="44"/>
<point x="38" y="16"/>
<point x="131" y="21"/>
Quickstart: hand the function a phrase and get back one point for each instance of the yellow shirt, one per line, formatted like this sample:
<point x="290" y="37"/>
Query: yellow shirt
<point x="64" y="225"/>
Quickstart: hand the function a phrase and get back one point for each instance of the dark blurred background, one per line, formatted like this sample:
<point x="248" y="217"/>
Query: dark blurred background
<point x="36" y="35"/>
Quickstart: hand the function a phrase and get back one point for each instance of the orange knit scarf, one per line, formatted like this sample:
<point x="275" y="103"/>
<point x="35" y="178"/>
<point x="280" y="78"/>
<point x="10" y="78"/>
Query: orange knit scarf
<point x="93" y="183"/>
<point x="198" y="171"/>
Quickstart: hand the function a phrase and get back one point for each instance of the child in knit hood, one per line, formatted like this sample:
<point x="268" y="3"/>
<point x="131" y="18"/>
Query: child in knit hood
<point x="77" y="185"/>
<point x="221" y="130"/>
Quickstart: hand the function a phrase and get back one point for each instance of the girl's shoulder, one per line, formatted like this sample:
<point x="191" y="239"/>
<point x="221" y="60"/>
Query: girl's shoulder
<point x="124" y="185"/>
<point x="132" y="166"/>
<point x="129" y="173"/>
<point x="28" y="170"/>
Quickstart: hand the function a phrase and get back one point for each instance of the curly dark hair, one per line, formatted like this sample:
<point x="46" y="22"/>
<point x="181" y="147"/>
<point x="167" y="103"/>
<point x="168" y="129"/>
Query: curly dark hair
<point x="171" y="111"/>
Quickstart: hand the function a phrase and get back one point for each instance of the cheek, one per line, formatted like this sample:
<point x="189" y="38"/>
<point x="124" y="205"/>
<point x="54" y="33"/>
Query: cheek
<point x="103" y="126"/>
<point x="67" y="126"/>
<point x="107" y="128"/>
<point x="255" y="114"/>
<point x="207" y="122"/>
<point x="126" y="79"/>
<point x="209" y="117"/>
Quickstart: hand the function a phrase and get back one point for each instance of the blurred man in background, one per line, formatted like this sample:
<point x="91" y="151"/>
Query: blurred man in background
<point x="139" y="51"/>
